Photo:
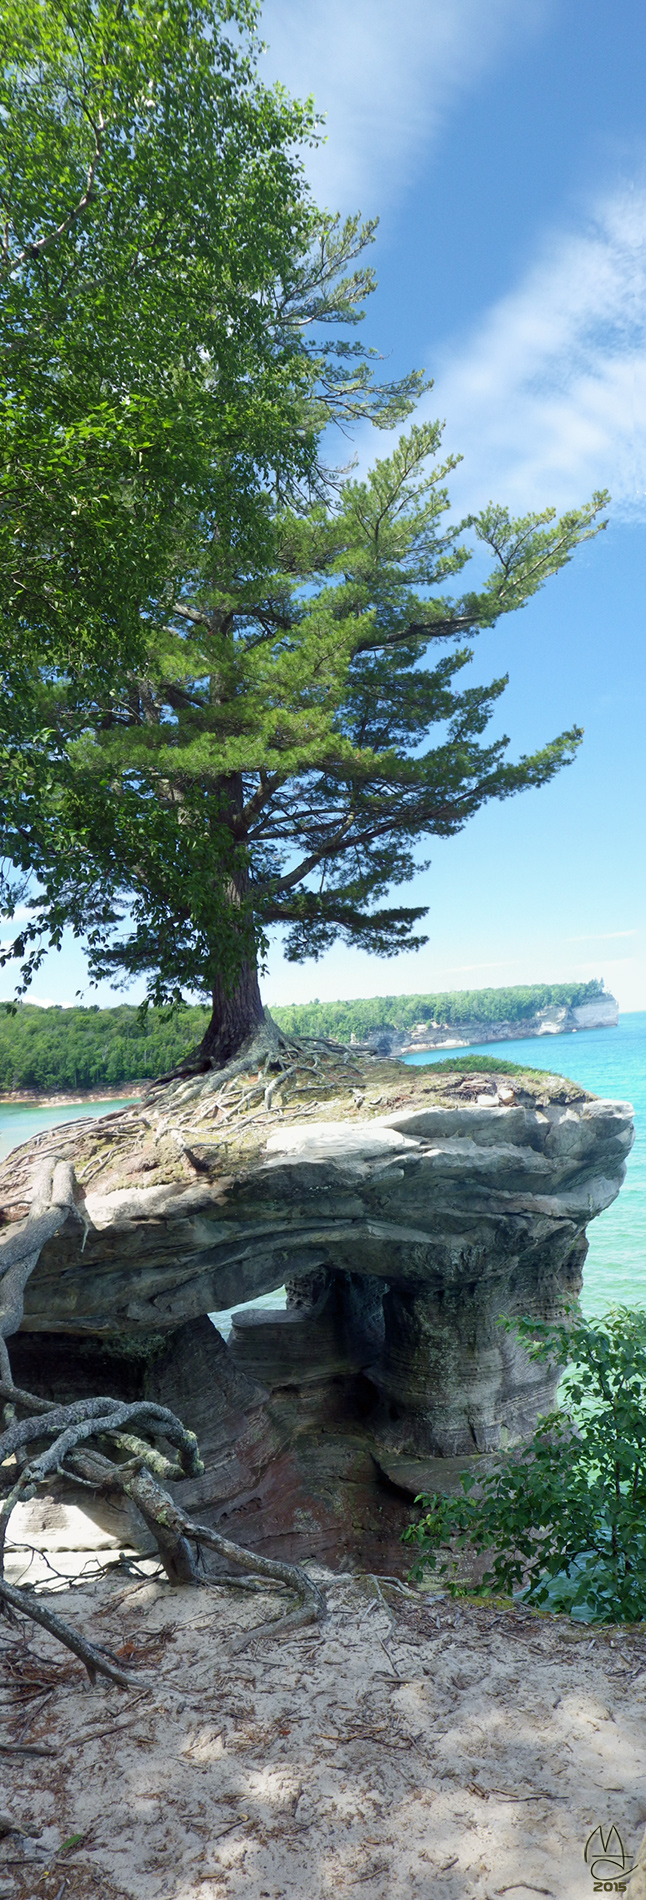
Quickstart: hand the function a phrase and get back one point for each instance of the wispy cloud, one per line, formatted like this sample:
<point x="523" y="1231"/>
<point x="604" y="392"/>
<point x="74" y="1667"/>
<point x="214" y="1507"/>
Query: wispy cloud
<point x="386" y="73"/>
<point x="602" y="936"/>
<point x="547" y="397"/>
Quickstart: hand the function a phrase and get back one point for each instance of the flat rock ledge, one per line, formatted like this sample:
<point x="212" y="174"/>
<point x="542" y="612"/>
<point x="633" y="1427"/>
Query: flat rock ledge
<point x="407" y="1210"/>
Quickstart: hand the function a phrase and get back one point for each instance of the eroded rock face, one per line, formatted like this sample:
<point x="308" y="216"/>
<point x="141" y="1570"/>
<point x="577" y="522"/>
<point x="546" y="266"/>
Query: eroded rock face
<point x="404" y="1235"/>
<point x="553" y="1020"/>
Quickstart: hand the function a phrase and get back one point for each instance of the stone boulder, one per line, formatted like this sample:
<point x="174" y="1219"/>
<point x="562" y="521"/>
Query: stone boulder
<point x="409" y="1212"/>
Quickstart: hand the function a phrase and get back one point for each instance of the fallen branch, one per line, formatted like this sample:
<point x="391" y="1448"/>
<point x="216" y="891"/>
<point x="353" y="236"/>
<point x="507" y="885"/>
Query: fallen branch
<point x="26" y="1748"/>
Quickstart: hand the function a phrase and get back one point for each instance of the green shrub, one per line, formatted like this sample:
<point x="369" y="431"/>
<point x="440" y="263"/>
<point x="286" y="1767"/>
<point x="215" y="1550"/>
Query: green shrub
<point x="488" y="1065"/>
<point x="562" y="1520"/>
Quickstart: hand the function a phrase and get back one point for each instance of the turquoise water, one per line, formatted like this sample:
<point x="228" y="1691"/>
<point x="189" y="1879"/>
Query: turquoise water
<point x="610" y="1062"/>
<point x="18" y="1121"/>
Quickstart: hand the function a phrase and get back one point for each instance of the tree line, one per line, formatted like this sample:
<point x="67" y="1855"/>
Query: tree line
<point x="363" y="1015"/>
<point x="91" y="1048"/>
<point x="53" y="1049"/>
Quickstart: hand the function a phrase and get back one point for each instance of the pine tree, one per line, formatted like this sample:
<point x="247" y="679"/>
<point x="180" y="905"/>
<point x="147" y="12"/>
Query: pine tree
<point x="298" y="727"/>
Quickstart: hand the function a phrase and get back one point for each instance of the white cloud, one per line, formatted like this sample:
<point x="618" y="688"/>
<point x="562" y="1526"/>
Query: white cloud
<point x="21" y="914"/>
<point x="386" y="73"/>
<point x="46" y="1002"/>
<point x="547" y="398"/>
<point x="602" y="936"/>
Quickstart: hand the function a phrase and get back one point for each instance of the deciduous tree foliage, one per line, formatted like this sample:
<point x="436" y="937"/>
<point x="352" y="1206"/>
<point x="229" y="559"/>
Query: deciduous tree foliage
<point x="159" y="290"/>
<point x="561" y="1519"/>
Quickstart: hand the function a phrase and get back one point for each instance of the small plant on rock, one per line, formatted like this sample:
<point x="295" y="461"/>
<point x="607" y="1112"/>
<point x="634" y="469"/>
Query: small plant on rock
<point x="562" y="1519"/>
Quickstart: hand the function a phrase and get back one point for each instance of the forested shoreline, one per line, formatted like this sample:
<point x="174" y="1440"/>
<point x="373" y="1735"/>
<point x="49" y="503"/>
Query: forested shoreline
<point x="45" y="1050"/>
<point x="363" y="1015"/>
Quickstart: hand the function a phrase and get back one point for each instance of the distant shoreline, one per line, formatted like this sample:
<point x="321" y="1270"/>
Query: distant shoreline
<point x="55" y="1043"/>
<point x="495" y="1035"/>
<point x="52" y="1098"/>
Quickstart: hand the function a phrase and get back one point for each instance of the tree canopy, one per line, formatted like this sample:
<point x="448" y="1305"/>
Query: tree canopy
<point x="233" y="692"/>
<point x="294" y="733"/>
<point x="165" y="283"/>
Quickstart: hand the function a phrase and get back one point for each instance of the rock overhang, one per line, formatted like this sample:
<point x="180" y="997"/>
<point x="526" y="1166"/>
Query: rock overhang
<point x="397" y="1196"/>
<point x="408" y="1219"/>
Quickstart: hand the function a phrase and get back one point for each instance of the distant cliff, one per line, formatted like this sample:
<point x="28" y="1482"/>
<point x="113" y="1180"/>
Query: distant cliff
<point x="73" y="1051"/>
<point x="394" y="1025"/>
<point x="553" y="1020"/>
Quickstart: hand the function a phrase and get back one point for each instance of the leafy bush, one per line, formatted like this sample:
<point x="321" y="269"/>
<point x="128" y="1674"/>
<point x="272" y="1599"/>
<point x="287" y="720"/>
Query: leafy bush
<point x="466" y="1064"/>
<point x="562" y="1520"/>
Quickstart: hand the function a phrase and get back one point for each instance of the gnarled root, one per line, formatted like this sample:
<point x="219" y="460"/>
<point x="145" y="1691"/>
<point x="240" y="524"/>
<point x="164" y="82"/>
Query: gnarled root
<point x="67" y="1451"/>
<point x="98" y="1662"/>
<point x="270" y="1052"/>
<point x="71" y="1455"/>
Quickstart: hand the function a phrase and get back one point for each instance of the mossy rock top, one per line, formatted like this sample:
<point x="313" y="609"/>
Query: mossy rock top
<point x="209" y="1127"/>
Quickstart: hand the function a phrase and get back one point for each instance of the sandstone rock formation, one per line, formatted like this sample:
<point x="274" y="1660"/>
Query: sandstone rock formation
<point x="556" y="1019"/>
<point x="408" y="1211"/>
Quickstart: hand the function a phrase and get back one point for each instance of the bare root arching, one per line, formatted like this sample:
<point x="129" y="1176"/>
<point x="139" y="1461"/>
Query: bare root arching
<point x="268" y="1048"/>
<point x="69" y="1454"/>
<point x="43" y="1442"/>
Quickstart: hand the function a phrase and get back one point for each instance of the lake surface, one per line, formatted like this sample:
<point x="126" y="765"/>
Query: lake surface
<point x="20" y="1121"/>
<point x="612" y="1063"/>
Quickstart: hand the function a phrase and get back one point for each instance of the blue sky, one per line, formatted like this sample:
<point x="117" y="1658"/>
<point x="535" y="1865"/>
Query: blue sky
<point x="503" y="145"/>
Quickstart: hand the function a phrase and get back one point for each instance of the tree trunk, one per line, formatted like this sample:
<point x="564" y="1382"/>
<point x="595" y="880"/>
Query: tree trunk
<point x="237" y="1016"/>
<point x="237" y="1009"/>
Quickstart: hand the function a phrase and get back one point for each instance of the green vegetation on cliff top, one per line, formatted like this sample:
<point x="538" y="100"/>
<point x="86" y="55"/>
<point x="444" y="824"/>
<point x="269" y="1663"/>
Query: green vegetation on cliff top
<point x="363" y="1015"/>
<point x="91" y="1048"/>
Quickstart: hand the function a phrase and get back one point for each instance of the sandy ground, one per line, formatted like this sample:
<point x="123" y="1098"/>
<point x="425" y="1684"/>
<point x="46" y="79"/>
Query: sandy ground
<point x="409" y="1747"/>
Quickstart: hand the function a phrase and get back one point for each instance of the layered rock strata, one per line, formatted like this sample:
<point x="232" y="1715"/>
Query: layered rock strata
<point x="408" y="1216"/>
<point x="556" y="1019"/>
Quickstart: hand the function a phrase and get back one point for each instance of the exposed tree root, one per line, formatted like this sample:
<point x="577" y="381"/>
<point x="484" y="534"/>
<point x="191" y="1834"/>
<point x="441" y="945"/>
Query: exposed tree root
<point x="53" y="1442"/>
<point x="51" y="1204"/>
<point x="312" y="1599"/>
<point x="71" y="1456"/>
<point x="269" y="1049"/>
<point x="98" y="1662"/>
